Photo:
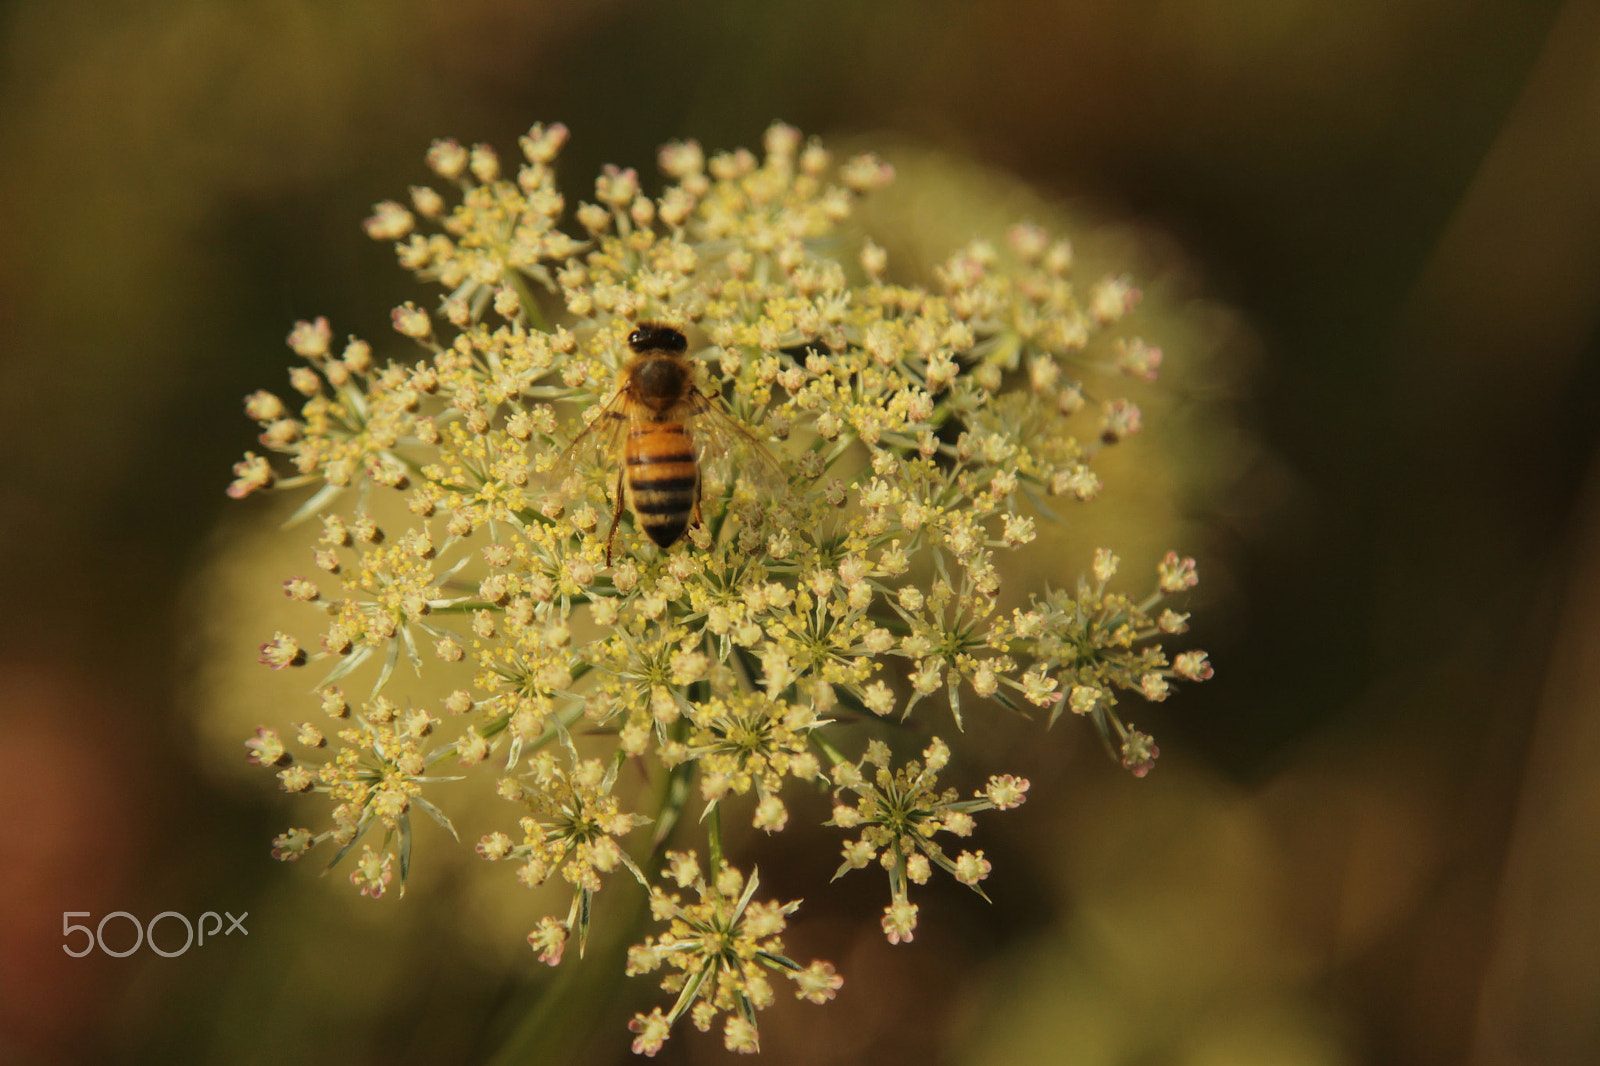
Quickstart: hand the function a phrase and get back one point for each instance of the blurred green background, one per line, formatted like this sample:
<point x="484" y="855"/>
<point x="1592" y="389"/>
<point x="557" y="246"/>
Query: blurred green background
<point x="1374" y="226"/>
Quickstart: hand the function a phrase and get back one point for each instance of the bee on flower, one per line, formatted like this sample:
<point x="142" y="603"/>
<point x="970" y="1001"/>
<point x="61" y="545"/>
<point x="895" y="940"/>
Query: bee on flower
<point x="660" y="430"/>
<point x="669" y="498"/>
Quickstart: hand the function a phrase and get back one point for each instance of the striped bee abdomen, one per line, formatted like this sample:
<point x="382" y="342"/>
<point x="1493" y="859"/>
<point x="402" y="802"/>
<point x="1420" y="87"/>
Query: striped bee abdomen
<point x="662" y="479"/>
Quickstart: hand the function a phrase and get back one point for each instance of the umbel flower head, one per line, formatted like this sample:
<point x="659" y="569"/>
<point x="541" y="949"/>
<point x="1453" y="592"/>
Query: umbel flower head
<point x="687" y="477"/>
<point x="722" y="948"/>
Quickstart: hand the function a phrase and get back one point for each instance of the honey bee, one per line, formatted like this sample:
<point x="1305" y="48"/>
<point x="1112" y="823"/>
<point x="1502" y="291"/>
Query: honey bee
<point x="652" y="414"/>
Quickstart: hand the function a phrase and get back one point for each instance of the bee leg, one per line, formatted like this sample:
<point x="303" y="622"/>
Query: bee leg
<point x="616" y="516"/>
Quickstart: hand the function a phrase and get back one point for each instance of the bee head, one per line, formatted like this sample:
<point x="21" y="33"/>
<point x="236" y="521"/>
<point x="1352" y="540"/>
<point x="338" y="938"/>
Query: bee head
<point x="654" y="337"/>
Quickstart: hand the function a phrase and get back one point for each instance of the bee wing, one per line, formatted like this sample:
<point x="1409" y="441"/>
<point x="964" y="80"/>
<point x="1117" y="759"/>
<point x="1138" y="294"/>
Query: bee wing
<point x="595" y="447"/>
<point x="728" y="452"/>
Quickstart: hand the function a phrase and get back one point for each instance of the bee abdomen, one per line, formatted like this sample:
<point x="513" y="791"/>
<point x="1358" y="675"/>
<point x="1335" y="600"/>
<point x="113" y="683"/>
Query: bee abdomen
<point x="662" y="481"/>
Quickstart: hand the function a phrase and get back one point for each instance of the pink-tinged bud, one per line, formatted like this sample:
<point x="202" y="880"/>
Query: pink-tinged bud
<point x="484" y="163"/>
<point x="1028" y="242"/>
<point x="250" y="473"/>
<point x="1177" y="574"/>
<point x="410" y="322"/>
<point x="1121" y="420"/>
<point x="543" y="143"/>
<point x="298" y="588"/>
<point x="815" y="160"/>
<point x="900" y="921"/>
<point x="653" y="1030"/>
<point x="1139" y="753"/>
<point x="1111" y="298"/>
<point x="643" y="213"/>
<point x="865" y="173"/>
<point x="1192" y="666"/>
<point x="1005" y="791"/>
<point x="817" y="983"/>
<point x="263" y="406"/>
<point x="428" y="203"/>
<point x="972" y="867"/>
<point x="310" y="339"/>
<point x="1058" y="259"/>
<point x="265" y="749"/>
<point x="874" y="260"/>
<point x="281" y="651"/>
<point x="389" y="221"/>
<point x="731" y="166"/>
<point x="617" y="186"/>
<point x="680" y="159"/>
<point x="289" y="846"/>
<point x="305" y="381"/>
<point x="594" y="218"/>
<point x="781" y="141"/>
<point x="447" y="158"/>
<point x="1138" y="359"/>
<point x="357" y="356"/>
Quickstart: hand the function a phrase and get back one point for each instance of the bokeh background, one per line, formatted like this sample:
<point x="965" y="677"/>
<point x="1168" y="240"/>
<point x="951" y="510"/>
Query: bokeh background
<point x="1374" y="228"/>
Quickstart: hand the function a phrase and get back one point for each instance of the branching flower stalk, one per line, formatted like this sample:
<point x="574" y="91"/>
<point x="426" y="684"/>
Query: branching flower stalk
<point x="920" y="433"/>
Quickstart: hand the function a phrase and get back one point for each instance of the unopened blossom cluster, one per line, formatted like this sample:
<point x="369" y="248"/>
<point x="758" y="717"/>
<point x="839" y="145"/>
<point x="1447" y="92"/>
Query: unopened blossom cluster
<point x="922" y="432"/>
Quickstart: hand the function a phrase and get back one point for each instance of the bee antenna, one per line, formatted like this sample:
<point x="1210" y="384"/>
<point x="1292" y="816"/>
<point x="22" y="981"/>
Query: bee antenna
<point x="654" y="337"/>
